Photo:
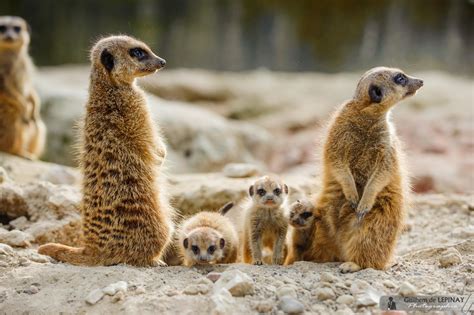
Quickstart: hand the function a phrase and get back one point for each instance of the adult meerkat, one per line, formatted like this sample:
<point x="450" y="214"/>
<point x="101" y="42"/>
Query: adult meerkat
<point x="208" y="238"/>
<point x="302" y="219"/>
<point x="126" y="218"/>
<point x="364" y="189"/>
<point x="266" y="221"/>
<point x="22" y="132"/>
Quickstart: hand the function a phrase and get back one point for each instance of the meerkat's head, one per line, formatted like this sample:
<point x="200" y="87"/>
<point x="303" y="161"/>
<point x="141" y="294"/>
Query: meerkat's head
<point x="14" y="33"/>
<point x="204" y="245"/>
<point x="300" y="215"/>
<point x="123" y="58"/>
<point x="268" y="192"/>
<point x="380" y="88"/>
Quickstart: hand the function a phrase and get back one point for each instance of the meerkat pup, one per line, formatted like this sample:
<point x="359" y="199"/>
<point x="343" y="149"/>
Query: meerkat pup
<point x="125" y="215"/>
<point x="364" y="188"/>
<point x="302" y="223"/>
<point x="22" y="132"/>
<point x="266" y="221"/>
<point x="209" y="238"/>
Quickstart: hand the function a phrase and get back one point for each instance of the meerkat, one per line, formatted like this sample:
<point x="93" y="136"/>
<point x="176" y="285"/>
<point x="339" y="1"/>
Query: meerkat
<point x="364" y="185"/>
<point x="208" y="238"/>
<point x="302" y="223"/>
<point x="125" y="214"/>
<point x="266" y="221"/>
<point x="22" y="132"/>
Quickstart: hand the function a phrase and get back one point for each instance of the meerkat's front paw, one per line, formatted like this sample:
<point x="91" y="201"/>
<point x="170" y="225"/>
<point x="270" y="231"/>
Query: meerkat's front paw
<point x="277" y="260"/>
<point x="353" y="198"/>
<point x="362" y="209"/>
<point x="158" y="263"/>
<point x="258" y="262"/>
<point x="349" y="266"/>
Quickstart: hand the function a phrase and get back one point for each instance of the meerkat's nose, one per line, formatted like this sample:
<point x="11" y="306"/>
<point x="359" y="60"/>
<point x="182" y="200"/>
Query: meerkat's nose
<point x="162" y="62"/>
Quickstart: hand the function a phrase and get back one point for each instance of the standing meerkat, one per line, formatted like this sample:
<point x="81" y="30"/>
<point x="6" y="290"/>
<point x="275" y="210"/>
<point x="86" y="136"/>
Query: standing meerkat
<point x="208" y="238"/>
<point x="302" y="223"/>
<point x="22" y="132"/>
<point x="266" y="221"/>
<point x="364" y="186"/>
<point x="126" y="218"/>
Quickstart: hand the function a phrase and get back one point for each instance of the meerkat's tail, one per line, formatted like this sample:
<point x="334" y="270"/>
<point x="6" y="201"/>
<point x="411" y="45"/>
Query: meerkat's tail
<point x="225" y="208"/>
<point x="72" y="255"/>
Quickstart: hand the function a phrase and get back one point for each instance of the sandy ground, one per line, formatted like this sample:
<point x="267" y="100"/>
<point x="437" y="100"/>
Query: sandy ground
<point x="436" y="224"/>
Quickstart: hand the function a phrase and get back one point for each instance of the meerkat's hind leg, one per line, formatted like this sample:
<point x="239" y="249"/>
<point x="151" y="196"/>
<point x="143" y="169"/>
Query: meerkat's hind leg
<point x="349" y="267"/>
<point x="72" y="255"/>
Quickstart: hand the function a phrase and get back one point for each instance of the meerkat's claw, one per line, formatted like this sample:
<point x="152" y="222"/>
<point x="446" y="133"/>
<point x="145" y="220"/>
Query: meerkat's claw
<point x="258" y="263"/>
<point x="353" y="205"/>
<point x="361" y="214"/>
<point x="348" y="267"/>
<point x="158" y="263"/>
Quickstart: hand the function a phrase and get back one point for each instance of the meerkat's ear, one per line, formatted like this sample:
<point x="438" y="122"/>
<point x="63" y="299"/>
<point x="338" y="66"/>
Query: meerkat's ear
<point x="285" y="187"/>
<point x="375" y="93"/>
<point x="222" y="243"/>
<point x="107" y="60"/>
<point x="251" y="192"/>
<point x="186" y="243"/>
<point x="28" y="27"/>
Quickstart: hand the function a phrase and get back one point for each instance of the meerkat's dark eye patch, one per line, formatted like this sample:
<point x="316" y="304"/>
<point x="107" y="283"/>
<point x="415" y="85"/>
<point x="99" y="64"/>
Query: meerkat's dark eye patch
<point x="138" y="53"/>
<point x="17" y="29"/>
<point x="375" y="94"/>
<point x="305" y="215"/>
<point x="195" y="249"/>
<point x="277" y="191"/>
<point x="107" y="60"/>
<point x="400" y="79"/>
<point x="211" y="249"/>
<point x="3" y="28"/>
<point x="261" y="192"/>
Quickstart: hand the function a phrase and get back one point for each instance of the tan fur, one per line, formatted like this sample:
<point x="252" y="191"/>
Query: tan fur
<point x="364" y="189"/>
<point x="126" y="218"/>
<point x="302" y="223"/>
<point x="265" y="225"/>
<point x="22" y="132"/>
<point x="213" y="235"/>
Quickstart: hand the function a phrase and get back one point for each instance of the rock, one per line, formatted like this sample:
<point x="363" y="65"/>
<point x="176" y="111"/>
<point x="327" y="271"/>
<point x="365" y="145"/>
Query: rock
<point x="291" y="305"/>
<point x="16" y="238"/>
<point x="345" y="299"/>
<point x="171" y="292"/>
<point x="286" y="291"/>
<point x="388" y="284"/>
<point x="59" y="174"/>
<point x="240" y="170"/>
<point x="213" y="276"/>
<point x="463" y="232"/>
<point x="195" y="289"/>
<point x="6" y="250"/>
<point x="113" y="288"/>
<point x="237" y="282"/>
<point x="328" y="277"/>
<point x="407" y="289"/>
<point x="120" y="296"/>
<point x="450" y="257"/>
<point x="4" y="176"/>
<point x="94" y="296"/>
<point x="223" y="302"/>
<point x="265" y="306"/>
<point x="34" y="256"/>
<point x="367" y="298"/>
<point x="19" y="223"/>
<point x="345" y="311"/>
<point x="359" y="286"/>
<point x="323" y="294"/>
<point x="31" y="290"/>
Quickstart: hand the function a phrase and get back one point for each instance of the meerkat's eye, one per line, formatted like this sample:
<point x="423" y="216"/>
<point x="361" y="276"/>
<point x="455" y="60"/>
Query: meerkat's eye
<point x="400" y="79"/>
<point x="261" y="192"/>
<point x="3" y="28"/>
<point x="138" y="53"/>
<point x="211" y="249"/>
<point x="17" y="29"/>
<point x="306" y="215"/>
<point x="195" y="249"/>
<point x="277" y="191"/>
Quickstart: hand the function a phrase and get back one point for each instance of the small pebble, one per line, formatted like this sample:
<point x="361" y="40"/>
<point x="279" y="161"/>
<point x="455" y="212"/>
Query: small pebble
<point x="291" y="305"/>
<point x="94" y="296"/>
<point x="265" y="306"/>
<point x="113" y="288"/>
<point x="450" y="258"/>
<point x="388" y="284"/>
<point x="120" y="296"/>
<point x="323" y="294"/>
<point x="286" y="291"/>
<point x="194" y="289"/>
<point x="328" y="277"/>
<point x="407" y="289"/>
<point x="31" y="290"/>
<point x="213" y="276"/>
<point x="345" y="299"/>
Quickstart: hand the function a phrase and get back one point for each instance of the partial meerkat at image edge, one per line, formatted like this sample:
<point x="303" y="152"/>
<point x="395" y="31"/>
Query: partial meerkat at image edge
<point x="125" y="215"/>
<point x="22" y="132"/>
<point x="365" y="188"/>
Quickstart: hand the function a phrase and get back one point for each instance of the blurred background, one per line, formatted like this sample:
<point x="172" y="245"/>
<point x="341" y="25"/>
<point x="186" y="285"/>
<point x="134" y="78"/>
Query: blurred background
<point x="255" y="81"/>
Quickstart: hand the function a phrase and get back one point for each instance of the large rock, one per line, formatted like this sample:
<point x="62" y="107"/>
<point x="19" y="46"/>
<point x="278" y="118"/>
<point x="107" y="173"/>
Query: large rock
<point x="198" y="139"/>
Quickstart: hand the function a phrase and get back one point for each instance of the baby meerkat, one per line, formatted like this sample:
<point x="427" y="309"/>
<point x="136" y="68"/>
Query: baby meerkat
<point x="364" y="185"/>
<point x="22" y="132"/>
<point x="302" y="222"/>
<point x="266" y="221"/>
<point x="125" y="214"/>
<point x="208" y="238"/>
